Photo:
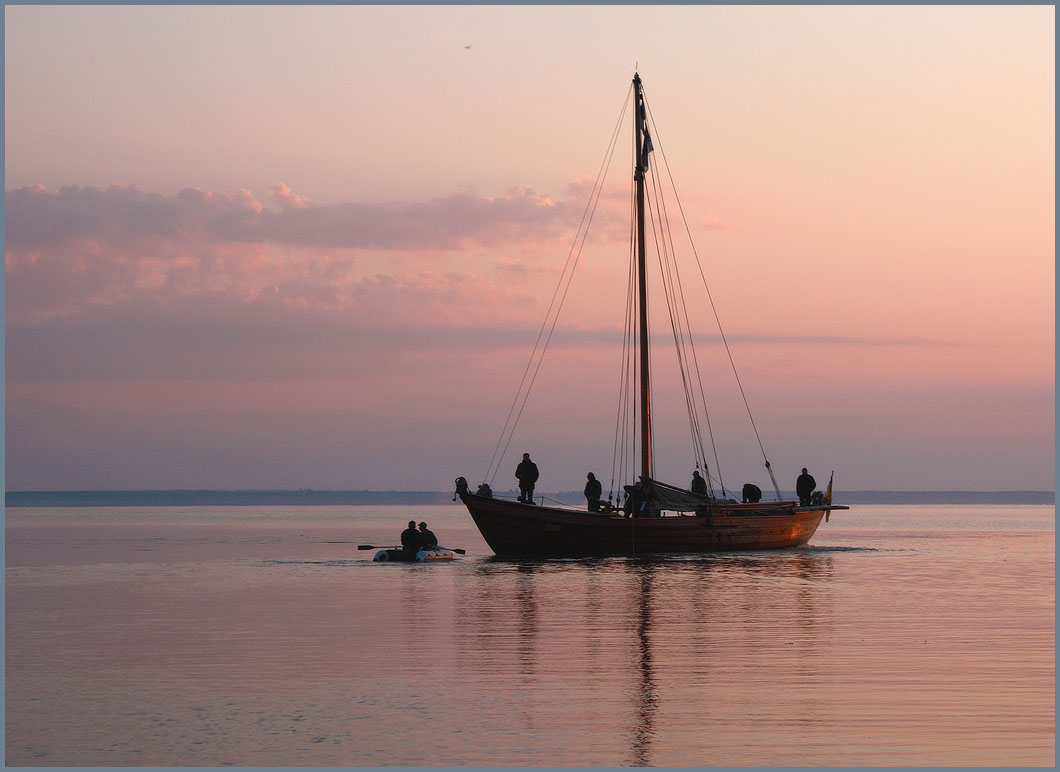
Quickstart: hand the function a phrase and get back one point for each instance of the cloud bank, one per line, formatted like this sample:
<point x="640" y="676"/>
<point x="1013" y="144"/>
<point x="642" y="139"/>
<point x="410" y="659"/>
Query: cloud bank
<point x="122" y="215"/>
<point x="82" y="246"/>
<point x="123" y="283"/>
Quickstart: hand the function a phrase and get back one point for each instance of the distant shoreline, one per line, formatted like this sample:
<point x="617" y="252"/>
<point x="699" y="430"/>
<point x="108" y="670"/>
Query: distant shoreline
<point x="308" y="497"/>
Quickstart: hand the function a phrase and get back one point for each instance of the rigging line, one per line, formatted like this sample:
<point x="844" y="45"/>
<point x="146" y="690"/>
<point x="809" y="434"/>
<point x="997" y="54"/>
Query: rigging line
<point x="684" y="320"/>
<point x="717" y="319"/>
<point x="670" y="270"/>
<point x="630" y="422"/>
<point x="575" y="249"/>
<point x="618" y="462"/>
<point x="620" y="453"/>
<point x="626" y="416"/>
<point x="624" y="420"/>
<point x="667" y="265"/>
<point x="682" y="341"/>
<point x="631" y="426"/>
<point x="687" y="323"/>
<point x="538" y="351"/>
<point x="665" y="270"/>
<point x="684" y="323"/>
<point x="541" y="358"/>
<point x="575" y="253"/>
<point x="684" y="327"/>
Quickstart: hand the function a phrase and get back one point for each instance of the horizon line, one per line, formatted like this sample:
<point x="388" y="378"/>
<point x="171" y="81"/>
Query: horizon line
<point x="408" y="490"/>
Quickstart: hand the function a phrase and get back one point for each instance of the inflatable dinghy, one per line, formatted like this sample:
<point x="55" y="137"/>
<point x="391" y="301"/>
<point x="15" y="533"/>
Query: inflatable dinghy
<point x="397" y="554"/>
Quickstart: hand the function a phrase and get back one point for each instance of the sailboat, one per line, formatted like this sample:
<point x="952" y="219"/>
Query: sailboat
<point x="654" y="517"/>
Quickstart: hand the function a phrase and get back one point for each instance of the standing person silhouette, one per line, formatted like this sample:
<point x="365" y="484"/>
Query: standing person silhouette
<point x="593" y="489"/>
<point x="527" y="475"/>
<point x="804" y="487"/>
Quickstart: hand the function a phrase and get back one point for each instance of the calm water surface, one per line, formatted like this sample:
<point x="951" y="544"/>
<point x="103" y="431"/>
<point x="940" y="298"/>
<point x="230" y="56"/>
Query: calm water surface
<point x="260" y="636"/>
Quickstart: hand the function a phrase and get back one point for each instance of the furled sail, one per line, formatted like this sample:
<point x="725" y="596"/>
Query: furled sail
<point x="678" y="499"/>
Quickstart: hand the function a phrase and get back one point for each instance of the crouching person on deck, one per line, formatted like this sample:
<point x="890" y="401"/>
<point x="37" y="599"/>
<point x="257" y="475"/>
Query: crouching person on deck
<point x="637" y="500"/>
<point x="699" y="485"/>
<point x="461" y="488"/>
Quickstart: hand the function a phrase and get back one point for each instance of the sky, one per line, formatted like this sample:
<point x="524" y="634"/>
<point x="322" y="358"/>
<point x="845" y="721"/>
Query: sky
<point x="312" y="247"/>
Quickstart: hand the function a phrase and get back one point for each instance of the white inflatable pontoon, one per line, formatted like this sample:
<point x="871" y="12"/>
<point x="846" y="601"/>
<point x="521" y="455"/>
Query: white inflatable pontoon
<point x="399" y="555"/>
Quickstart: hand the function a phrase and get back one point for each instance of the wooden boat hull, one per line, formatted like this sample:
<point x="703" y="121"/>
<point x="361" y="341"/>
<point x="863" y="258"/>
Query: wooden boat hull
<point x="515" y="529"/>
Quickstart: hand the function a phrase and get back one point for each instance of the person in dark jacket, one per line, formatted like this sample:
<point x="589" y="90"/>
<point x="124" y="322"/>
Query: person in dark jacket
<point x="699" y="485"/>
<point x="593" y="489"/>
<point x="634" y="499"/>
<point x="410" y="540"/>
<point x="427" y="538"/>
<point x="526" y="473"/>
<point x="804" y="487"/>
<point x="752" y="494"/>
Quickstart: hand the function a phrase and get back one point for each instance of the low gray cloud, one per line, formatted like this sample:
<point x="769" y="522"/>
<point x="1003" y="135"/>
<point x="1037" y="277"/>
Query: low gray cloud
<point x="120" y="216"/>
<point x="217" y="336"/>
<point x="76" y="247"/>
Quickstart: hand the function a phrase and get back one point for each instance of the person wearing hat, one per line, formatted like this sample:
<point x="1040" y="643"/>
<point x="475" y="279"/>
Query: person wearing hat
<point x="427" y="538"/>
<point x="410" y="540"/>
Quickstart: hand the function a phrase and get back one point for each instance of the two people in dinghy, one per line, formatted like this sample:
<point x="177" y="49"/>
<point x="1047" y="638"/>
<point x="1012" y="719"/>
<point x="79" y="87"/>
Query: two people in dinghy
<point x="412" y="541"/>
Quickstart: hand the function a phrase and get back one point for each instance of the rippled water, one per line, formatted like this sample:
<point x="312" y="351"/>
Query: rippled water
<point x="261" y="636"/>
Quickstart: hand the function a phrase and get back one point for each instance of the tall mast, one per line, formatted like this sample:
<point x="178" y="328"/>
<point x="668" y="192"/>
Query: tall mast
<point x="639" y="119"/>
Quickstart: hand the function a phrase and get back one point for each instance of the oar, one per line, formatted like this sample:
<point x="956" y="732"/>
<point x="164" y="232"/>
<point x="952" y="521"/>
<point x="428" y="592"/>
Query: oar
<point x="371" y="547"/>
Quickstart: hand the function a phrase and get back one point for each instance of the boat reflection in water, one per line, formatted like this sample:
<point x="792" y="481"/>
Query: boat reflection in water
<point x="645" y="700"/>
<point x="654" y="646"/>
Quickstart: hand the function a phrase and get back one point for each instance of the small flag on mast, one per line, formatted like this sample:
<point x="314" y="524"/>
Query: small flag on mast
<point x="828" y="496"/>
<point x="647" y="138"/>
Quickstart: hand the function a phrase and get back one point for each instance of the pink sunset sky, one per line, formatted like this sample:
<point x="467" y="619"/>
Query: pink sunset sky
<point x="293" y="247"/>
